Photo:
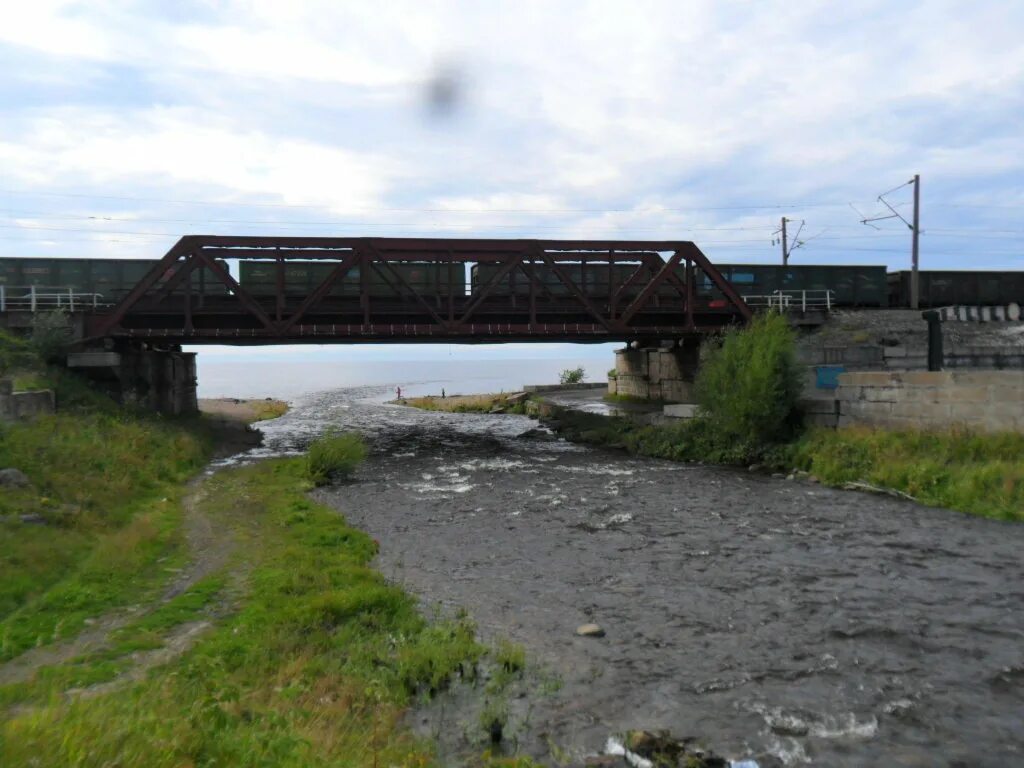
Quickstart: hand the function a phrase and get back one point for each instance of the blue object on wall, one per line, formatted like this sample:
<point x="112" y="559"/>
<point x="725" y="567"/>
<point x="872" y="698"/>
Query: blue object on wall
<point x="828" y="376"/>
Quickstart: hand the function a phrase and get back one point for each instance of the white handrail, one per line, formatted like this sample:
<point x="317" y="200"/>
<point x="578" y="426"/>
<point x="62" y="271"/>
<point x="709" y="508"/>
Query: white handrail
<point x="817" y="298"/>
<point x="35" y="298"/>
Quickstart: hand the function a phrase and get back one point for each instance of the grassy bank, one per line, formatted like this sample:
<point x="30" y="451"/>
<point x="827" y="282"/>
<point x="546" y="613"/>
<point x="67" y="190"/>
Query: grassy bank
<point x="504" y="403"/>
<point x="316" y="666"/>
<point x="978" y="473"/>
<point x="102" y="508"/>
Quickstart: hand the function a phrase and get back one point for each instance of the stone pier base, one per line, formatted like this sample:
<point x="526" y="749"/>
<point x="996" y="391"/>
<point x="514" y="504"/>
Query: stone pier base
<point x="656" y="374"/>
<point x="157" y="380"/>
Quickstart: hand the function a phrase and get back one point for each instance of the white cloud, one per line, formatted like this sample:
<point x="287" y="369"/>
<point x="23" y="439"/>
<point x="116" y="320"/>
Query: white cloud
<point x="581" y="105"/>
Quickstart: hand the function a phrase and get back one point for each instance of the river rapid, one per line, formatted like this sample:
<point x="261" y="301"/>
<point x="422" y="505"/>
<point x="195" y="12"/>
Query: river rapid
<point x="762" y="616"/>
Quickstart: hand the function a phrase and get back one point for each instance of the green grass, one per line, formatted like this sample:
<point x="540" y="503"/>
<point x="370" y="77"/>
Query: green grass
<point x="467" y="403"/>
<point x="269" y="409"/>
<point x="107" y="663"/>
<point x="981" y="474"/>
<point x="107" y="482"/>
<point x="334" y="455"/>
<point x="315" y="669"/>
<point x="978" y="473"/>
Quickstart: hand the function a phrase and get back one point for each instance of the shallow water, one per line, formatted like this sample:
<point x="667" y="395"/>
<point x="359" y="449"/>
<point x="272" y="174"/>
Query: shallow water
<point x="756" y="614"/>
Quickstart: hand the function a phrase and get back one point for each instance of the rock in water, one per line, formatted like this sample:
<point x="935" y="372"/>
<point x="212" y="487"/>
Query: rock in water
<point x="589" y="630"/>
<point x="13" y="478"/>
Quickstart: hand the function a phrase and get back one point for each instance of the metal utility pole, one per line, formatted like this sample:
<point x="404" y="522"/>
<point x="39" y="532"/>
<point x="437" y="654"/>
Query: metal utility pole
<point x="914" y="286"/>
<point x="915" y="230"/>
<point x="784" y="239"/>
<point x="785" y="253"/>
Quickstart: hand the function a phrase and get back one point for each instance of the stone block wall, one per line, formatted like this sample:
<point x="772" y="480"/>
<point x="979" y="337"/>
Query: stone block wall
<point x="987" y="401"/>
<point x="656" y="374"/>
<point x="162" y="381"/>
<point x="24" y="405"/>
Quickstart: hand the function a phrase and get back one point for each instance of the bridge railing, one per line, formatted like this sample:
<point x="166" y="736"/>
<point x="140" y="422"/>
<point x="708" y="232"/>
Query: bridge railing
<point x="793" y="299"/>
<point x="37" y="298"/>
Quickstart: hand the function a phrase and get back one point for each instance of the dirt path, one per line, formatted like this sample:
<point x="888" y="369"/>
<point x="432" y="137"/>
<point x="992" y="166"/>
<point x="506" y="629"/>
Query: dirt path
<point x="210" y="548"/>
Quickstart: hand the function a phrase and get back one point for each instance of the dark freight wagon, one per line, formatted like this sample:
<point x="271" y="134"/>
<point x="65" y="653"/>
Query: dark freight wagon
<point x="110" y="279"/>
<point x="301" y="278"/>
<point x="851" y="286"/>
<point x="946" y="288"/>
<point x="596" y="280"/>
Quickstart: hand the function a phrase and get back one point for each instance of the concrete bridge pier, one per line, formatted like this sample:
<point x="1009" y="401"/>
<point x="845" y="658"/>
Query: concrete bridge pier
<point x="160" y="380"/>
<point x="665" y="372"/>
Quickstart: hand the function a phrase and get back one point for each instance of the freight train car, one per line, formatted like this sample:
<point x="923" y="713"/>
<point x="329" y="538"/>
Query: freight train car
<point x="303" y="277"/>
<point x="948" y="287"/>
<point x="596" y="280"/>
<point x="109" y="279"/>
<point x="851" y="286"/>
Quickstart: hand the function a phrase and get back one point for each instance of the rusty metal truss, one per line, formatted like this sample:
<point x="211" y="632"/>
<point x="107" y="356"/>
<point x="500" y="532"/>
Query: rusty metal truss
<point x="645" y="290"/>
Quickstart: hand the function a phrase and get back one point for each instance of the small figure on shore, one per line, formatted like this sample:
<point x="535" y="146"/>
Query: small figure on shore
<point x="442" y="393"/>
<point x="398" y="393"/>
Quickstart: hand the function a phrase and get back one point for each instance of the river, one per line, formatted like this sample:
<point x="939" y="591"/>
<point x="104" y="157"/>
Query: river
<point x="762" y="616"/>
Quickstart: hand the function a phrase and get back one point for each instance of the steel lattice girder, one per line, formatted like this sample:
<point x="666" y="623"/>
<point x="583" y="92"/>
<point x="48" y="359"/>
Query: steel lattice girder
<point x="146" y="312"/>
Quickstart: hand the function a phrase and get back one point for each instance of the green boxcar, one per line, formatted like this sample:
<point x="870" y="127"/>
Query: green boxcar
<point x="303" y="277"/>
<point x="596" y="281"/>
<point x="112" y="279"/>
<point x="943" y="288"/>
<point x="851" y="286"/>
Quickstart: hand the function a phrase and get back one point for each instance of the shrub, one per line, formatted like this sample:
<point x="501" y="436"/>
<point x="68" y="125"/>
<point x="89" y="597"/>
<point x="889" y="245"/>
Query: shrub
<point x="51" y="335"/>
<point x="612" y="373"/>
<point x="749" y="385"/>
<point x="572" y="375"/>
<point x="336" y="454"/>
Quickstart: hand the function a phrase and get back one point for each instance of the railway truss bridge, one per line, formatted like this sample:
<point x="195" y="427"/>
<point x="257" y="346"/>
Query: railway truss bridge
<point x="347" y="290"/>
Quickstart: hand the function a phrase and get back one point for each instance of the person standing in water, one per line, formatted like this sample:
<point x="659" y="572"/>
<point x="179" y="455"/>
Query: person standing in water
<point x="398" y="393"/>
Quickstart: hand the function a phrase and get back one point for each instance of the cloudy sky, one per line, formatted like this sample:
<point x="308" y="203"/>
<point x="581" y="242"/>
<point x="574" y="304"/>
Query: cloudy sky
<point x="124" y="125"/>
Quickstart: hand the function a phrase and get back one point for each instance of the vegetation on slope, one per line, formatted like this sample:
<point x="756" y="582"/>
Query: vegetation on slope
<point x="978" y="473"/>
<point x="102" y="507"/>
<point x="316" y="668"/>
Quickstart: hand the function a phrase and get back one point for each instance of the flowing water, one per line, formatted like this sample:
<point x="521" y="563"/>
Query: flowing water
<point x="759" y="615"/>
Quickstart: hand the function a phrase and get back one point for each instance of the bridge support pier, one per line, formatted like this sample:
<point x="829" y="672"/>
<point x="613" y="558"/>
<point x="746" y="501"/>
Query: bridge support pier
<point x="160" y="380"/>
<point x="666" y="372"/>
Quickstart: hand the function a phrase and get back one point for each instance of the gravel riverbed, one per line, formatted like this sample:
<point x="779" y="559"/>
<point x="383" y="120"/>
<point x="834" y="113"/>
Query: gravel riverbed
<point x="758" y="615"/>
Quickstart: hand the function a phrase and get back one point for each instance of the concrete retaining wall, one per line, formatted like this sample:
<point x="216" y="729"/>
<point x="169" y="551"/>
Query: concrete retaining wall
<point x="914" y="357"/>
<point x="983" y="400"/>
<point x="24" y="405"/>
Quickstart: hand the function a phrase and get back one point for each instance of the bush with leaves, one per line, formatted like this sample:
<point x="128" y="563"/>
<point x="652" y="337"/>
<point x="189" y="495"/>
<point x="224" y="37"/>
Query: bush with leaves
<point x="572" y="375"/>
<point x="51" y="335"/>
<point x="749" y="385"/>
<point x="335" y="455"/>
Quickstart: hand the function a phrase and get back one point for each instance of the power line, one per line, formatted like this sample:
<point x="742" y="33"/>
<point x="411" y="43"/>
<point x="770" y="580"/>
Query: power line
<point x="659" y="209"/>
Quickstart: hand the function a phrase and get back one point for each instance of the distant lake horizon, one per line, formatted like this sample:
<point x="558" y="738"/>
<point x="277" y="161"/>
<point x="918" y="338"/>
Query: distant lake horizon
<point x="288" y="379"/>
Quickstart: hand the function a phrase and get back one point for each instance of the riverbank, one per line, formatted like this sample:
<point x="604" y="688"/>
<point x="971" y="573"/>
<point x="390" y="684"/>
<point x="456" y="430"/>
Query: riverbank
<point x="513" y="402"/>
<point x="242" y="410"/>
<point x="164" y="621"/>
<point x="311" y="661"/>
<point x="980" y="474"/>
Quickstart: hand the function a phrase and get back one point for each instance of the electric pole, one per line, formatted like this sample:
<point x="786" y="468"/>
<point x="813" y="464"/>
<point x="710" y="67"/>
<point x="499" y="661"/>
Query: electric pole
<point x="785" y="253"/>
<point x="914" y="285"/>
<point x="915" y="230"/>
